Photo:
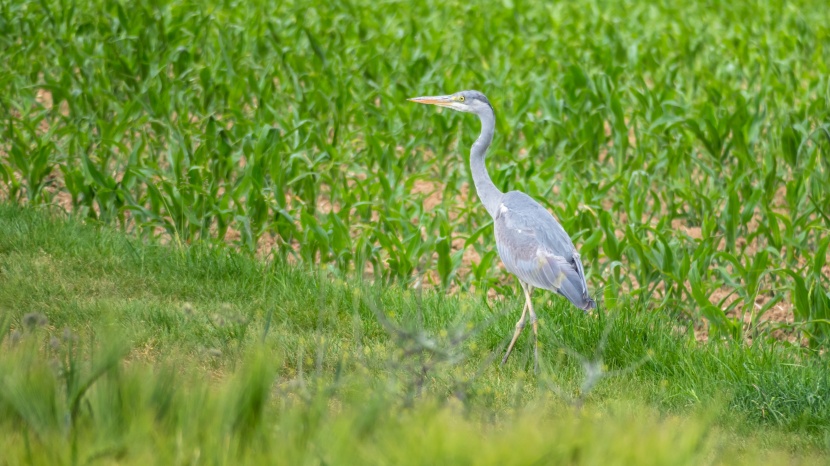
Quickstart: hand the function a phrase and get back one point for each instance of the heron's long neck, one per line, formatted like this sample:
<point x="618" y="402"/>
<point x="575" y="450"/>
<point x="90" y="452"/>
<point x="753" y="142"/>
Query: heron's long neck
<point x="487" y="191"/>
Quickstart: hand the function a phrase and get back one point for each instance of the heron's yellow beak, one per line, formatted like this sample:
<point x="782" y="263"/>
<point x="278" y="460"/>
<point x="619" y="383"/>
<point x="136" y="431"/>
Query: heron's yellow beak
<point x="442" y="100"/>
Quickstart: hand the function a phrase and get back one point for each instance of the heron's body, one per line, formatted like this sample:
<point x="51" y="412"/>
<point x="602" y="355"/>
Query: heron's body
<point x="534" y="247"/>
<point x="531" y="243"/>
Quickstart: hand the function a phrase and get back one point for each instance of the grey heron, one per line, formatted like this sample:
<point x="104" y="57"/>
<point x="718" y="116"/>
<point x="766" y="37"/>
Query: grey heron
<point x="531" y="243"/>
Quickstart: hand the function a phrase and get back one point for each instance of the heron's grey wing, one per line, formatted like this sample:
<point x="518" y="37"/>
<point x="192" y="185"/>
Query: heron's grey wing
<point x="535" y="248"/>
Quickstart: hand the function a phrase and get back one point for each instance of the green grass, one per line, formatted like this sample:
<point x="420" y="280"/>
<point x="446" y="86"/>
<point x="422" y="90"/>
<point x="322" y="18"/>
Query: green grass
<point x="632" y="121"/>
<point x="202" y="354"/>
<point x="683" y="145"/>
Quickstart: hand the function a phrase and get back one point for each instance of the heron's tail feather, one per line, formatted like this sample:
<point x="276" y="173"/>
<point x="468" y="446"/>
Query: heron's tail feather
<point x="573" y="285"/>
<point x="554" y="273"/>
<point x="573" y="288"/>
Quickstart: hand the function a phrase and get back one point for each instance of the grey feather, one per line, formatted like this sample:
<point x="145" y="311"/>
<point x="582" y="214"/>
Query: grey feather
<point x="535" y="247"/>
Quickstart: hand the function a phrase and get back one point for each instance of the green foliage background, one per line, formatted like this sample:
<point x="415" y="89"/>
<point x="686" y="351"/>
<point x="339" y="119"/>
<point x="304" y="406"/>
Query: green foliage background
<point x="634" y="122"/>
<point x="683" y="145"/>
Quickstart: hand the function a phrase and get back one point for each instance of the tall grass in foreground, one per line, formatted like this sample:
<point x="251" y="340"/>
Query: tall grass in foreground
<point x="118" y="350"/>
<point x="684" y="145"/>
<point x="139" y="414"/>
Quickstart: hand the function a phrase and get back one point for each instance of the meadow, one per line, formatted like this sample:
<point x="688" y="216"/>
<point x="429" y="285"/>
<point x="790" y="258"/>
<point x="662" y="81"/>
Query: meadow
<point x="237" y="229"/>
<point x="118" y="351"/>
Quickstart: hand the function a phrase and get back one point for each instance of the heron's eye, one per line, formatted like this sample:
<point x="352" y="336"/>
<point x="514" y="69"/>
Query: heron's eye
<point x="461" y="98"/>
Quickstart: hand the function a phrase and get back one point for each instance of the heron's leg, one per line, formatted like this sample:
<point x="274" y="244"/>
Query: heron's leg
<point x="533" y="321"/>
<point x="519" y="326"/>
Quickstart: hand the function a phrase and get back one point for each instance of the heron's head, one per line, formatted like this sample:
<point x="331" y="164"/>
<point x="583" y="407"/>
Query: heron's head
<point x="464" y="101"/>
